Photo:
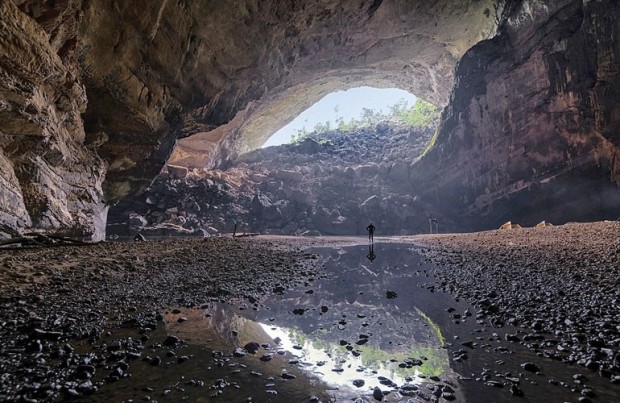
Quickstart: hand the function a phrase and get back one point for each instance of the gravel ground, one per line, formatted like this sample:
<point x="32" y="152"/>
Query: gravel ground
<point x="560" y="285"/>
<point x="54" y="298"/>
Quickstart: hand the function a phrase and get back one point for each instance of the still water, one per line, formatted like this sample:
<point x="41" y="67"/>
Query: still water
<point x="370" y="330"/>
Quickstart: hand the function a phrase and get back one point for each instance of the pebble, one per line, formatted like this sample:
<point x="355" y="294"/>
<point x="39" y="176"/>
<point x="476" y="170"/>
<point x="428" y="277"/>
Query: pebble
<point x="530" y="366"/>
<point x="358" y="383"/>
<point x="377" y="394"/>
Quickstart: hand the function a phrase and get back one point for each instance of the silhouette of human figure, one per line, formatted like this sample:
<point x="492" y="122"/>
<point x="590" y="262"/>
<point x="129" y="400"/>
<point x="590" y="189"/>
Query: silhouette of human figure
<point x="371" y="252"/>
<point x="371" y="231"/>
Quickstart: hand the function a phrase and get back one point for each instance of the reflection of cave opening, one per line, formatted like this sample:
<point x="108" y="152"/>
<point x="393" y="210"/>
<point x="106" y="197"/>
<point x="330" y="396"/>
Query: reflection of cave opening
<point x="344" y="109"/>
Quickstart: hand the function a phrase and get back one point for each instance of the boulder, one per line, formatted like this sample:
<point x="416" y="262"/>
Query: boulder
<point x="289" y="175"/>
<point x="510" y="225"/>
<point x="137" y="222"/>
<point x="311" y="233"/>
<point x="399" y="171"/>
<point x="176" y="172"/>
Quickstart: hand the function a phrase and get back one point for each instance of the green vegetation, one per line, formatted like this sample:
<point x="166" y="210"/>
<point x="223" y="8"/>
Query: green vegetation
<point x="436" y="362"/>
<point x="421" y="114"/>
<point x="297" y="336"/>
<point x="431" y="143"/>
<point x="434" y="359"/>
<point x="434" y="326"/>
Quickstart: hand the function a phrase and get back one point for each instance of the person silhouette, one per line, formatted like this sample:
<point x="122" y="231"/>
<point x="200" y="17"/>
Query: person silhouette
<point x="371" y="231"/>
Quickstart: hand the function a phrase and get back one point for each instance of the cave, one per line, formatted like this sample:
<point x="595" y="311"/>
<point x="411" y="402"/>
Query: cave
<point x="528" y="89"/>
<point x="121" y="117"/>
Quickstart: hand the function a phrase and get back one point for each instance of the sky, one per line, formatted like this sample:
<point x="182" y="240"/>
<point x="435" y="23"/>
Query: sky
<point x="349" y="103"/>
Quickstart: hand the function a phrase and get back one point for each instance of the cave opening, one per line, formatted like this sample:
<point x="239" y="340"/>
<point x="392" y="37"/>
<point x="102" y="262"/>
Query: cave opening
<point x="94" y="95"/>
<point x="341" y="163"/>
<point x="344" y="110"/>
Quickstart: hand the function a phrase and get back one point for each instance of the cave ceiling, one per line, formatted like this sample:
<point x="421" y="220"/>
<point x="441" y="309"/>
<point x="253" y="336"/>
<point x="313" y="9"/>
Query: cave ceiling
<point x="228" y="74"/>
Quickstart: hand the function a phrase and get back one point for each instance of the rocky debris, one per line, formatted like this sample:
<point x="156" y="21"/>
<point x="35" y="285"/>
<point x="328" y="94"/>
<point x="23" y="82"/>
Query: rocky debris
<point x="53" y="298"/>
<point x="349" y="178"/>
<point x="31" y="240"/>
<point x="559" y="286"/>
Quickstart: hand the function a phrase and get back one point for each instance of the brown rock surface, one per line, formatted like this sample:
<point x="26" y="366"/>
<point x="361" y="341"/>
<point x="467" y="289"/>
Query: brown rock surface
<point x="50" y="179"/>
<point x="532" y="128"/>
<point x="533" y="110"/>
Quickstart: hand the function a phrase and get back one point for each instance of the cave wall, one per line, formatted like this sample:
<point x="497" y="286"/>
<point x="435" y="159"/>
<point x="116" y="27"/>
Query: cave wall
<point x="531" y="132"/>
<point x="50" y="179"/>
<point x="156" y="71"/>
<point x="95" y="94"/>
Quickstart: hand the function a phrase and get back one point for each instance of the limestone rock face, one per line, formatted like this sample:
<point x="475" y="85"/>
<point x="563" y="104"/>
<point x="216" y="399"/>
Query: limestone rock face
<point x="50" y="179"/>
<point x="532" y="129"/>
<point x="328" y="47"/>
<point x="229" y="74"/>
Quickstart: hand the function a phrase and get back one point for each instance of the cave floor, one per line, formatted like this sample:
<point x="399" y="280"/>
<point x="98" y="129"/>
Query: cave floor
<point x="460" y="317"/>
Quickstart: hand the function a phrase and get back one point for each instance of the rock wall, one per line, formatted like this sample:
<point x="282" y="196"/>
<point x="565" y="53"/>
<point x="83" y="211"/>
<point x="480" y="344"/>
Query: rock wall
<point x="531" y="131"/>
<point x="51" y="180"/>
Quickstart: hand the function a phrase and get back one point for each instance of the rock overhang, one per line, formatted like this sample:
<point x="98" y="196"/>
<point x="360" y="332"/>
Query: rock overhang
<point x="256" y="67"/>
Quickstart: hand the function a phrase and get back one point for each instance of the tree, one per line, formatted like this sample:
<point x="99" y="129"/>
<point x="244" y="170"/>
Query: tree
<point x="421" y="114"/>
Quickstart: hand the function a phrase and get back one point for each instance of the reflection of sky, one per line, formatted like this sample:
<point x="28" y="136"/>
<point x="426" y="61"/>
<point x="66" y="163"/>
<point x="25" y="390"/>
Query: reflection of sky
<point x="337" y="357"/>
<point x="349" y="106"/>
<point x="354" y="294"/>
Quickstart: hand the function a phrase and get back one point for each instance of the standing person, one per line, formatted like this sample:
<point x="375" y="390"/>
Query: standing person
<point x="371" y="232"/>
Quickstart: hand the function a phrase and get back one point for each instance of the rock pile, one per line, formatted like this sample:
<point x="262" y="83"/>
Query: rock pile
<point x="328" y="184"/>
<point x="58" y="305"/>
<point x="560" y="284"/>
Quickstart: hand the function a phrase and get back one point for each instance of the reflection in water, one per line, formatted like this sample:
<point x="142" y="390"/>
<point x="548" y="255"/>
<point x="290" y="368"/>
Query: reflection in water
<point x="366" y="326"/>
<point x="371" y="252"/>
<point x="338" y="367"/>
<point x="345" y="335"/>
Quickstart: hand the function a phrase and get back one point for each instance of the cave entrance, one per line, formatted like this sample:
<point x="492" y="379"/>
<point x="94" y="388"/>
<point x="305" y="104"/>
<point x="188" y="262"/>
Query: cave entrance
<point x="342" y="162"/>
<point x="334" y="169"/>
<point x="344" y="110"/>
